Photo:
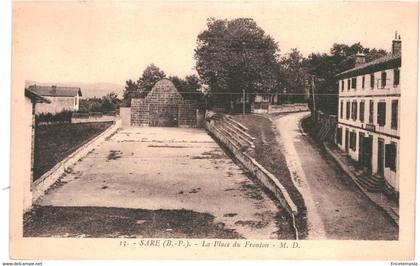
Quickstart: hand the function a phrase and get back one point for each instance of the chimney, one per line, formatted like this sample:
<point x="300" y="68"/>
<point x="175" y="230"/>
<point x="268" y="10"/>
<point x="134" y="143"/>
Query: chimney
<point x="360" y="59"/>
<point x="396" y="45"/>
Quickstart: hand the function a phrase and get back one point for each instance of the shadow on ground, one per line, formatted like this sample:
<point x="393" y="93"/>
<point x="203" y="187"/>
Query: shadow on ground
<point x="47" y="221"/>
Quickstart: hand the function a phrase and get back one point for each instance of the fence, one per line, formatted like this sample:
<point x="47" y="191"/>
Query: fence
<point x="325" y="126"/>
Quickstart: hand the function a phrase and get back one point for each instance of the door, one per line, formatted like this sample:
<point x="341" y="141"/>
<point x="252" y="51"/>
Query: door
<point x="347" y="140"/>
<point x="367" y="153"/>
<point x="361" y="148"/>
<point x="381" y="157"/>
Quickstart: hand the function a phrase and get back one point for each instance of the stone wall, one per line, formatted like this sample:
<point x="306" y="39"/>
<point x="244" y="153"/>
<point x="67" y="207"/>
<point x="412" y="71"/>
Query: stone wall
<point x="163" y="106"/>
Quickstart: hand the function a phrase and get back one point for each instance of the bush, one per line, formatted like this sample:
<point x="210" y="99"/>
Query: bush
<point x="49" y="118"/>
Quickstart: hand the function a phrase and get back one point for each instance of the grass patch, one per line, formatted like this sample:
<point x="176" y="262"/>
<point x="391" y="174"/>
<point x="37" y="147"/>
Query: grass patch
<point x="53" y="143"/>
<point x="268" y="153"/>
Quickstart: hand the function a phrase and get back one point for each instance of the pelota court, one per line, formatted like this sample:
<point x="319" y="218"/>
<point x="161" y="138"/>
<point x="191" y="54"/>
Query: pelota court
<point x="157" y="182"/>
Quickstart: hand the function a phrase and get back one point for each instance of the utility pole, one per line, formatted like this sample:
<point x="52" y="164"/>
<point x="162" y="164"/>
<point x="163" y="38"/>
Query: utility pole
<point x="313" y="93"/>
<point x="243" y="101"/>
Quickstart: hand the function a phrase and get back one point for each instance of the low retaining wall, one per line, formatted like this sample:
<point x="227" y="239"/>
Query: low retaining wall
<point x="41" y="185"/>
<point x="264" y="176"/>
<point x="278" y="109"/>
<point x="93" y="119"/>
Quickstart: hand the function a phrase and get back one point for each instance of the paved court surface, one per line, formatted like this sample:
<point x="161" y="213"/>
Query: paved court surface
<point x="157" y="182"/>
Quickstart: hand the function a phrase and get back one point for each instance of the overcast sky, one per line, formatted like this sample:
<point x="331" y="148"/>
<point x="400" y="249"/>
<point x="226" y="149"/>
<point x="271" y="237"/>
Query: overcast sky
<point x="112" y="42"/>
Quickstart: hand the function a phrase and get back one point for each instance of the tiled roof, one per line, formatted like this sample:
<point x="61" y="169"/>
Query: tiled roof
<point x="54" y="91"/>
<point x="35" y="96"/>
<point x="385" y="62"/>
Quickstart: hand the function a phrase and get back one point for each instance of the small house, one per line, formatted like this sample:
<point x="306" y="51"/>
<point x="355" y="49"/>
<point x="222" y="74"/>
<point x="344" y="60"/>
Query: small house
<point x="61" y="98"/>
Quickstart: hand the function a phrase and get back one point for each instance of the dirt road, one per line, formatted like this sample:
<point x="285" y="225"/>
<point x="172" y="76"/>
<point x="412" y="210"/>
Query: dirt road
<point x="336" y="208"/>
<point x="157" y="182"/>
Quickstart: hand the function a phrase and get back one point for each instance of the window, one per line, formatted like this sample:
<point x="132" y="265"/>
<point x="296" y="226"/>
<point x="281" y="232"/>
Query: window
<point x="394" y="114"/>
<point x="353" y="137"/>
<point x="371" y="106"/>
<point x="381" y="113"/>
<point x="363" y="82"/>
<point x="354" y="110"/>
<point x="396" y="77"/>
<point x="372" y="80"/>
<point x="342" y="85"/>
<point x="75" y="101"/>
<point x="391" y="156"/>
<point x="383" y="79"/>
<point x="353" y="83"/>
<point x="348" y="84"/>
<point x="347" y="109"/>
<point x="362" y="111"/>
<point x="341" y="109"/>
<point x="339" y="136"/>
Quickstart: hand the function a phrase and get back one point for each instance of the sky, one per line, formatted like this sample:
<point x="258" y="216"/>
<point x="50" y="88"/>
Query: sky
<point x="114" y="41"/>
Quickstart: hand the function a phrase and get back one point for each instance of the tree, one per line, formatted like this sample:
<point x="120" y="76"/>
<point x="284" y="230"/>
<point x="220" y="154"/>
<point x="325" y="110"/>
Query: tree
<point x="293" y="75"/>
<point x="235" y="55"/>
<point x="190" y="87"/>
<point x="131" y="90"/>
<point x="144" y="84"/>
<point x="151" y="75"/>
<point x="326" y="66"/>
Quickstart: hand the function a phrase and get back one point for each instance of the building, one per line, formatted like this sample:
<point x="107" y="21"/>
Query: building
<point x="163" y="106"/>
<point x="61" y="98"/>
<point x="368" y="127"/>
<point x="32" y="99"/>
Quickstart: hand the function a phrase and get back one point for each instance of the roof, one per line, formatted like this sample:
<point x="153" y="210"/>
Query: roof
<point x="385" y="62"/>
<point x="55" y="91"/>
<point x="35" y="96"/>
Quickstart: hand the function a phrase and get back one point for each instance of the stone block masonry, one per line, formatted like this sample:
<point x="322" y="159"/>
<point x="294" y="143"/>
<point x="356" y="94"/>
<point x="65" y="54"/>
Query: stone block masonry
<point x="163" y="106"/>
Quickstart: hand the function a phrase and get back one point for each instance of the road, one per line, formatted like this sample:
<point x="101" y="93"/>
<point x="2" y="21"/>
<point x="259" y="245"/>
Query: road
<point x="157" y="182"/>
<point x="336" y="207"/>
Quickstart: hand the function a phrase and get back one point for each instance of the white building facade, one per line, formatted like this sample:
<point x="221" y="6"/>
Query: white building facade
<point x="368" y="127"/>
<point x="61" y="98"/>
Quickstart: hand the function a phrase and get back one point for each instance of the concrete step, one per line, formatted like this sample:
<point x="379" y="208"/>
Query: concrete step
<point x="370" y="184"/>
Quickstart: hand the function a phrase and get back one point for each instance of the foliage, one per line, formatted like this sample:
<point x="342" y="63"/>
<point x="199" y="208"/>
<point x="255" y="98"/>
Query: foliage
<point x="326" y="66"/>
<point x="144" y="84"/>
<point x="235" y="55"/>
<point x="293" y="74"/>
<point x="107" y="103"/>
<point x="190" y="87"/>
<point x="49" y="118"/>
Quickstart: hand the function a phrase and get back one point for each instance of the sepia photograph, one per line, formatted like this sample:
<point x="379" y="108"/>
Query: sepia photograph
<point x="213" y="129"/>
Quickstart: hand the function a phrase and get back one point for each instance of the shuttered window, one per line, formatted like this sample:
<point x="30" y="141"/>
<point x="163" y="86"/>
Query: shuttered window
<point x="363" y="82"/>
<point x="383" y="79"/>
<point x="394" y="118"/>
<point x="362" y="111"/>
<point x="396" y="77"/>
<point x="341" y="109"/>
<point x="348" y="110"/>
<point x="381" y="113"/>
<point x="371" y="106"/>
<point x="354" y="110"/>
<point x="353" y="83"/>
<point x="372" y="81"/>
